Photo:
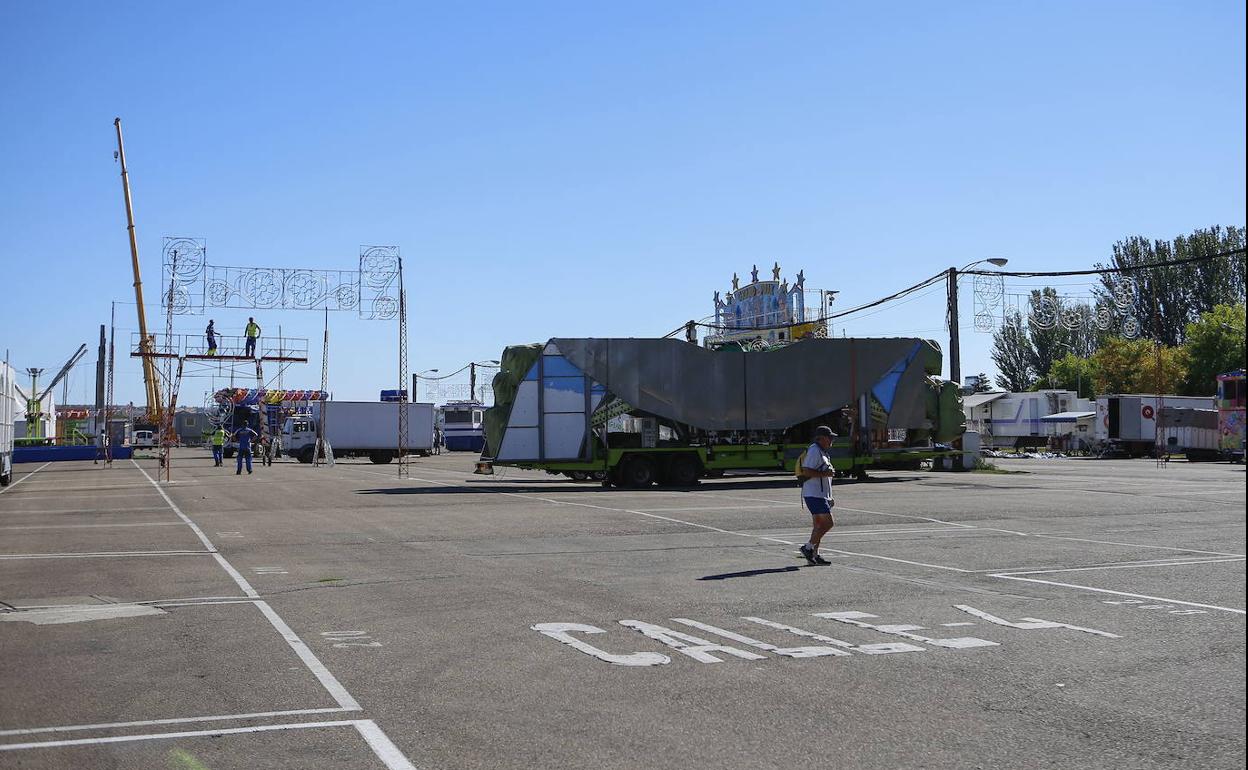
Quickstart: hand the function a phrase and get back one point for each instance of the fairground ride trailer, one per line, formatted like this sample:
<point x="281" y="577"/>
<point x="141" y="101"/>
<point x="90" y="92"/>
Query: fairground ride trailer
<point x="634" y="412"/>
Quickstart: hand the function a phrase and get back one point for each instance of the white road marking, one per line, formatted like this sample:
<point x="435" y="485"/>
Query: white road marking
<point x="790" y="652"/>
<point x="327" y="680"/>
<point x="1119" y="593"/>
<point x="694" y="646"/>
<point x="562" y="632"/>
<point x="855" y="618"/>
<point x="194" y="528"/>
<point x="79" y="613"/>
<point x="882" y="648"/>
<point x="382" y="746"/>
<point x="99" y="554"/>
<point x="174" y="721"/>
<point x="91" y="526"/>
<point x="1132" y="565"/>
<point x="1030" y="624"/>
<point x="166" y="736"/>
<point x="23" y="478"/>
<point x="85" y="512"/>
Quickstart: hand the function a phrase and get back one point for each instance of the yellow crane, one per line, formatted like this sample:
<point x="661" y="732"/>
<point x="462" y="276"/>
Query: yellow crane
<point x="151" y="385"/>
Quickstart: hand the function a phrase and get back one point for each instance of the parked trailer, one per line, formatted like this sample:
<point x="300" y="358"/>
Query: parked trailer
<point x="360" y="429"/>
<point x="8" y="415"/>
<point x="1128" y="423"/>
<point x="1190" y="432"/>
<point x="639" y="411"/>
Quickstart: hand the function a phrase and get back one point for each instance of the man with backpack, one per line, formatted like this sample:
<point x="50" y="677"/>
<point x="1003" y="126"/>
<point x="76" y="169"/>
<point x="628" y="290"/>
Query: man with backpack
<point x="816" y="472"/>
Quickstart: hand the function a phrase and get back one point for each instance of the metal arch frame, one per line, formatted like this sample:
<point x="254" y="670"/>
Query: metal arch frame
<point x="195" y="285"/>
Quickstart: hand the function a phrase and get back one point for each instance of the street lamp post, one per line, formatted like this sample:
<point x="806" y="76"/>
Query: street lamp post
<point x="955" y="345"/>
<point x="416" y="381"/>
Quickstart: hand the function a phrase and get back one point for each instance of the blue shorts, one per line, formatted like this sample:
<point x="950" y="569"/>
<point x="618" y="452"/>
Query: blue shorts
<point x="818" y="505"/>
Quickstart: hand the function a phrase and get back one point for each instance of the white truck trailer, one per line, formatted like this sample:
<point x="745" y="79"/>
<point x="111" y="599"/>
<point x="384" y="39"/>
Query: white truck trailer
<point x="1127" y="423"/>
<point x="359" y="429"/>
<point x="8" y="415"/>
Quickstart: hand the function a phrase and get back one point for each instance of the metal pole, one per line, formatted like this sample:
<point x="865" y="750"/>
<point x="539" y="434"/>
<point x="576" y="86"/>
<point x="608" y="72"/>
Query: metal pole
<point x="145" y="344"/>
<point x="955" y="349"/>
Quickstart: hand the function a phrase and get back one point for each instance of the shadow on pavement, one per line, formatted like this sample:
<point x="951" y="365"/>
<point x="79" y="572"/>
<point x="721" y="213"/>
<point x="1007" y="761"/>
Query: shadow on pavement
<point x="750" y="573"/>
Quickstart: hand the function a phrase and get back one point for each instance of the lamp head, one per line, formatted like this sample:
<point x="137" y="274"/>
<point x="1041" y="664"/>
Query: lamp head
<point x="997" y="261"/>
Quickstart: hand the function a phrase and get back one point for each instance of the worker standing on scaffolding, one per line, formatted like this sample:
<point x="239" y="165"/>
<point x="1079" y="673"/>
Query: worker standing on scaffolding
<point x="211" y="334"/>
<point x="253" y="334"/>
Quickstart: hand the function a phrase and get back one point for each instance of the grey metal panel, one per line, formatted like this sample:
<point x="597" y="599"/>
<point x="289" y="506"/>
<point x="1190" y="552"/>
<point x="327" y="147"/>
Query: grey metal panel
<point x="719" y="390"/>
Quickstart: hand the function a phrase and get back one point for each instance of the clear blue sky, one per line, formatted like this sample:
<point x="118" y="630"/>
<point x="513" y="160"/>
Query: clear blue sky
<point x="588" y="169"/>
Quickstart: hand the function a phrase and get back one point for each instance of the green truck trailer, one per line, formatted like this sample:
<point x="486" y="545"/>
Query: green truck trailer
<point x="636" y="412"/>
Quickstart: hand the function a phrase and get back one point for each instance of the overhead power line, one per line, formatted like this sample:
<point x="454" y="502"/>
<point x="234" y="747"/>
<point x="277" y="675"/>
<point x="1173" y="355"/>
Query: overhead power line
<point x="1103" y="270"/>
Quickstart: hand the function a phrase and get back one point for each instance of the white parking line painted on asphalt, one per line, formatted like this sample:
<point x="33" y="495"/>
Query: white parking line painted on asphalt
<point x="99" y="555"/>
<point x="382" y="746"/>
<point x="85" y="512"/>
<point x="23" y="478"/>
<point x="1119" y="593"/>
<point x="1135" y="565"/>
<point x="91" y="526"/>
<point x="552" y="501"/>
<point x="173" y="721"/>
<point x="327" y="680"/>
<point x="167" y="736"/>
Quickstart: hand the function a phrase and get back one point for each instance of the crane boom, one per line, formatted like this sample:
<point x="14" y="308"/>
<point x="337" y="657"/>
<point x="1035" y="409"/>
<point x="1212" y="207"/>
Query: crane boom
<point x="150" y="385"/>
<point x="75" y="358"/>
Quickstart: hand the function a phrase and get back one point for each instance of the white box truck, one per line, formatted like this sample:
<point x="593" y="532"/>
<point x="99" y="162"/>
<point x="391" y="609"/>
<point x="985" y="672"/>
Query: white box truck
<point x="359" y="429"/>
<point x="8" y="415"/>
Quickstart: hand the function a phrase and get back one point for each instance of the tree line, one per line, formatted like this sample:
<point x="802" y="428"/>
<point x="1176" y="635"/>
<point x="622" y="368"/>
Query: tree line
<point x="1184" y="324"/>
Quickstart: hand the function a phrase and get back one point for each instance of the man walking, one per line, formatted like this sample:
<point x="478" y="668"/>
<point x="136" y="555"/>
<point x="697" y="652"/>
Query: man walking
<point x="211" y="334"/>
<point x="243" y="437"/>
<point x="817" y="492"/>
<point x="218" y="445"/>
<point x="253" y="333"/>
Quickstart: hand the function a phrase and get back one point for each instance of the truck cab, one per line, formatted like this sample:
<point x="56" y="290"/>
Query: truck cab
<point x="299" y="437"/>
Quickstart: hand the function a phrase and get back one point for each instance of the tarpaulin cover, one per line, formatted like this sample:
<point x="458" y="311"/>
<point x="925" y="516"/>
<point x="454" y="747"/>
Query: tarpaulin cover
<point x="772" y="390"/>
<point x="513" y="366"/>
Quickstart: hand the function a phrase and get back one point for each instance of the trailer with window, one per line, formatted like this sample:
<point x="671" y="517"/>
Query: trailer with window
<point x="640" y="411"/>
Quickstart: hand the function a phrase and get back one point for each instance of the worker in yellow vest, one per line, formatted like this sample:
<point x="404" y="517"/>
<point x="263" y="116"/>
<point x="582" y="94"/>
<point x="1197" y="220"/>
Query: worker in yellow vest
<point x="218" y="445"/>
<point x="253" y="334"/>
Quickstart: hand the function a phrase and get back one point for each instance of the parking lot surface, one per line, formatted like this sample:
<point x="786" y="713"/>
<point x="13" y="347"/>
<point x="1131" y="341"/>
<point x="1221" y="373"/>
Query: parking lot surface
<point x="1068" y="613"/>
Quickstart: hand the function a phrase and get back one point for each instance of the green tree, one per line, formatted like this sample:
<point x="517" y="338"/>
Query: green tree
<point x="984" y="383"/>
<point x="1164" y="300"/>
<point x="1013" y="354"/>
<point x="1072" y="372"/>
<point x="1215" y="344"/>
<point x="1138" y="366"/>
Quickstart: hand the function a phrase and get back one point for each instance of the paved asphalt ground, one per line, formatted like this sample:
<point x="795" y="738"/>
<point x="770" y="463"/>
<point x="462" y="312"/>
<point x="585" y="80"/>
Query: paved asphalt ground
<point x="1080" y="613"/>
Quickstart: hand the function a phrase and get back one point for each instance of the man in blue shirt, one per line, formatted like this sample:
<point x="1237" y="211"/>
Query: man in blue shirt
<point x="243" y="436"/>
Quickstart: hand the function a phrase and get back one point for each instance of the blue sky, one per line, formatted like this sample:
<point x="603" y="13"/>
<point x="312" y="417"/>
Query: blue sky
<point x="580" y="169"/>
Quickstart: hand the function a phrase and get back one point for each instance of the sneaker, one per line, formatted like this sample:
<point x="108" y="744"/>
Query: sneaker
<point x="820" y="561"/>
<point x="809" y="553"/>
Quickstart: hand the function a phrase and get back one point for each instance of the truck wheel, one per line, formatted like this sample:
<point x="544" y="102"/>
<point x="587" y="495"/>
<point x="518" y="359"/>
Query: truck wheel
<point x="578" y="475"/>
<point x="684" y="471"/>
<point x="639" y="472"/>
<point x="228" y="452"/>
<point x="380" y="458"/>
<point x="307" y="455"/>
